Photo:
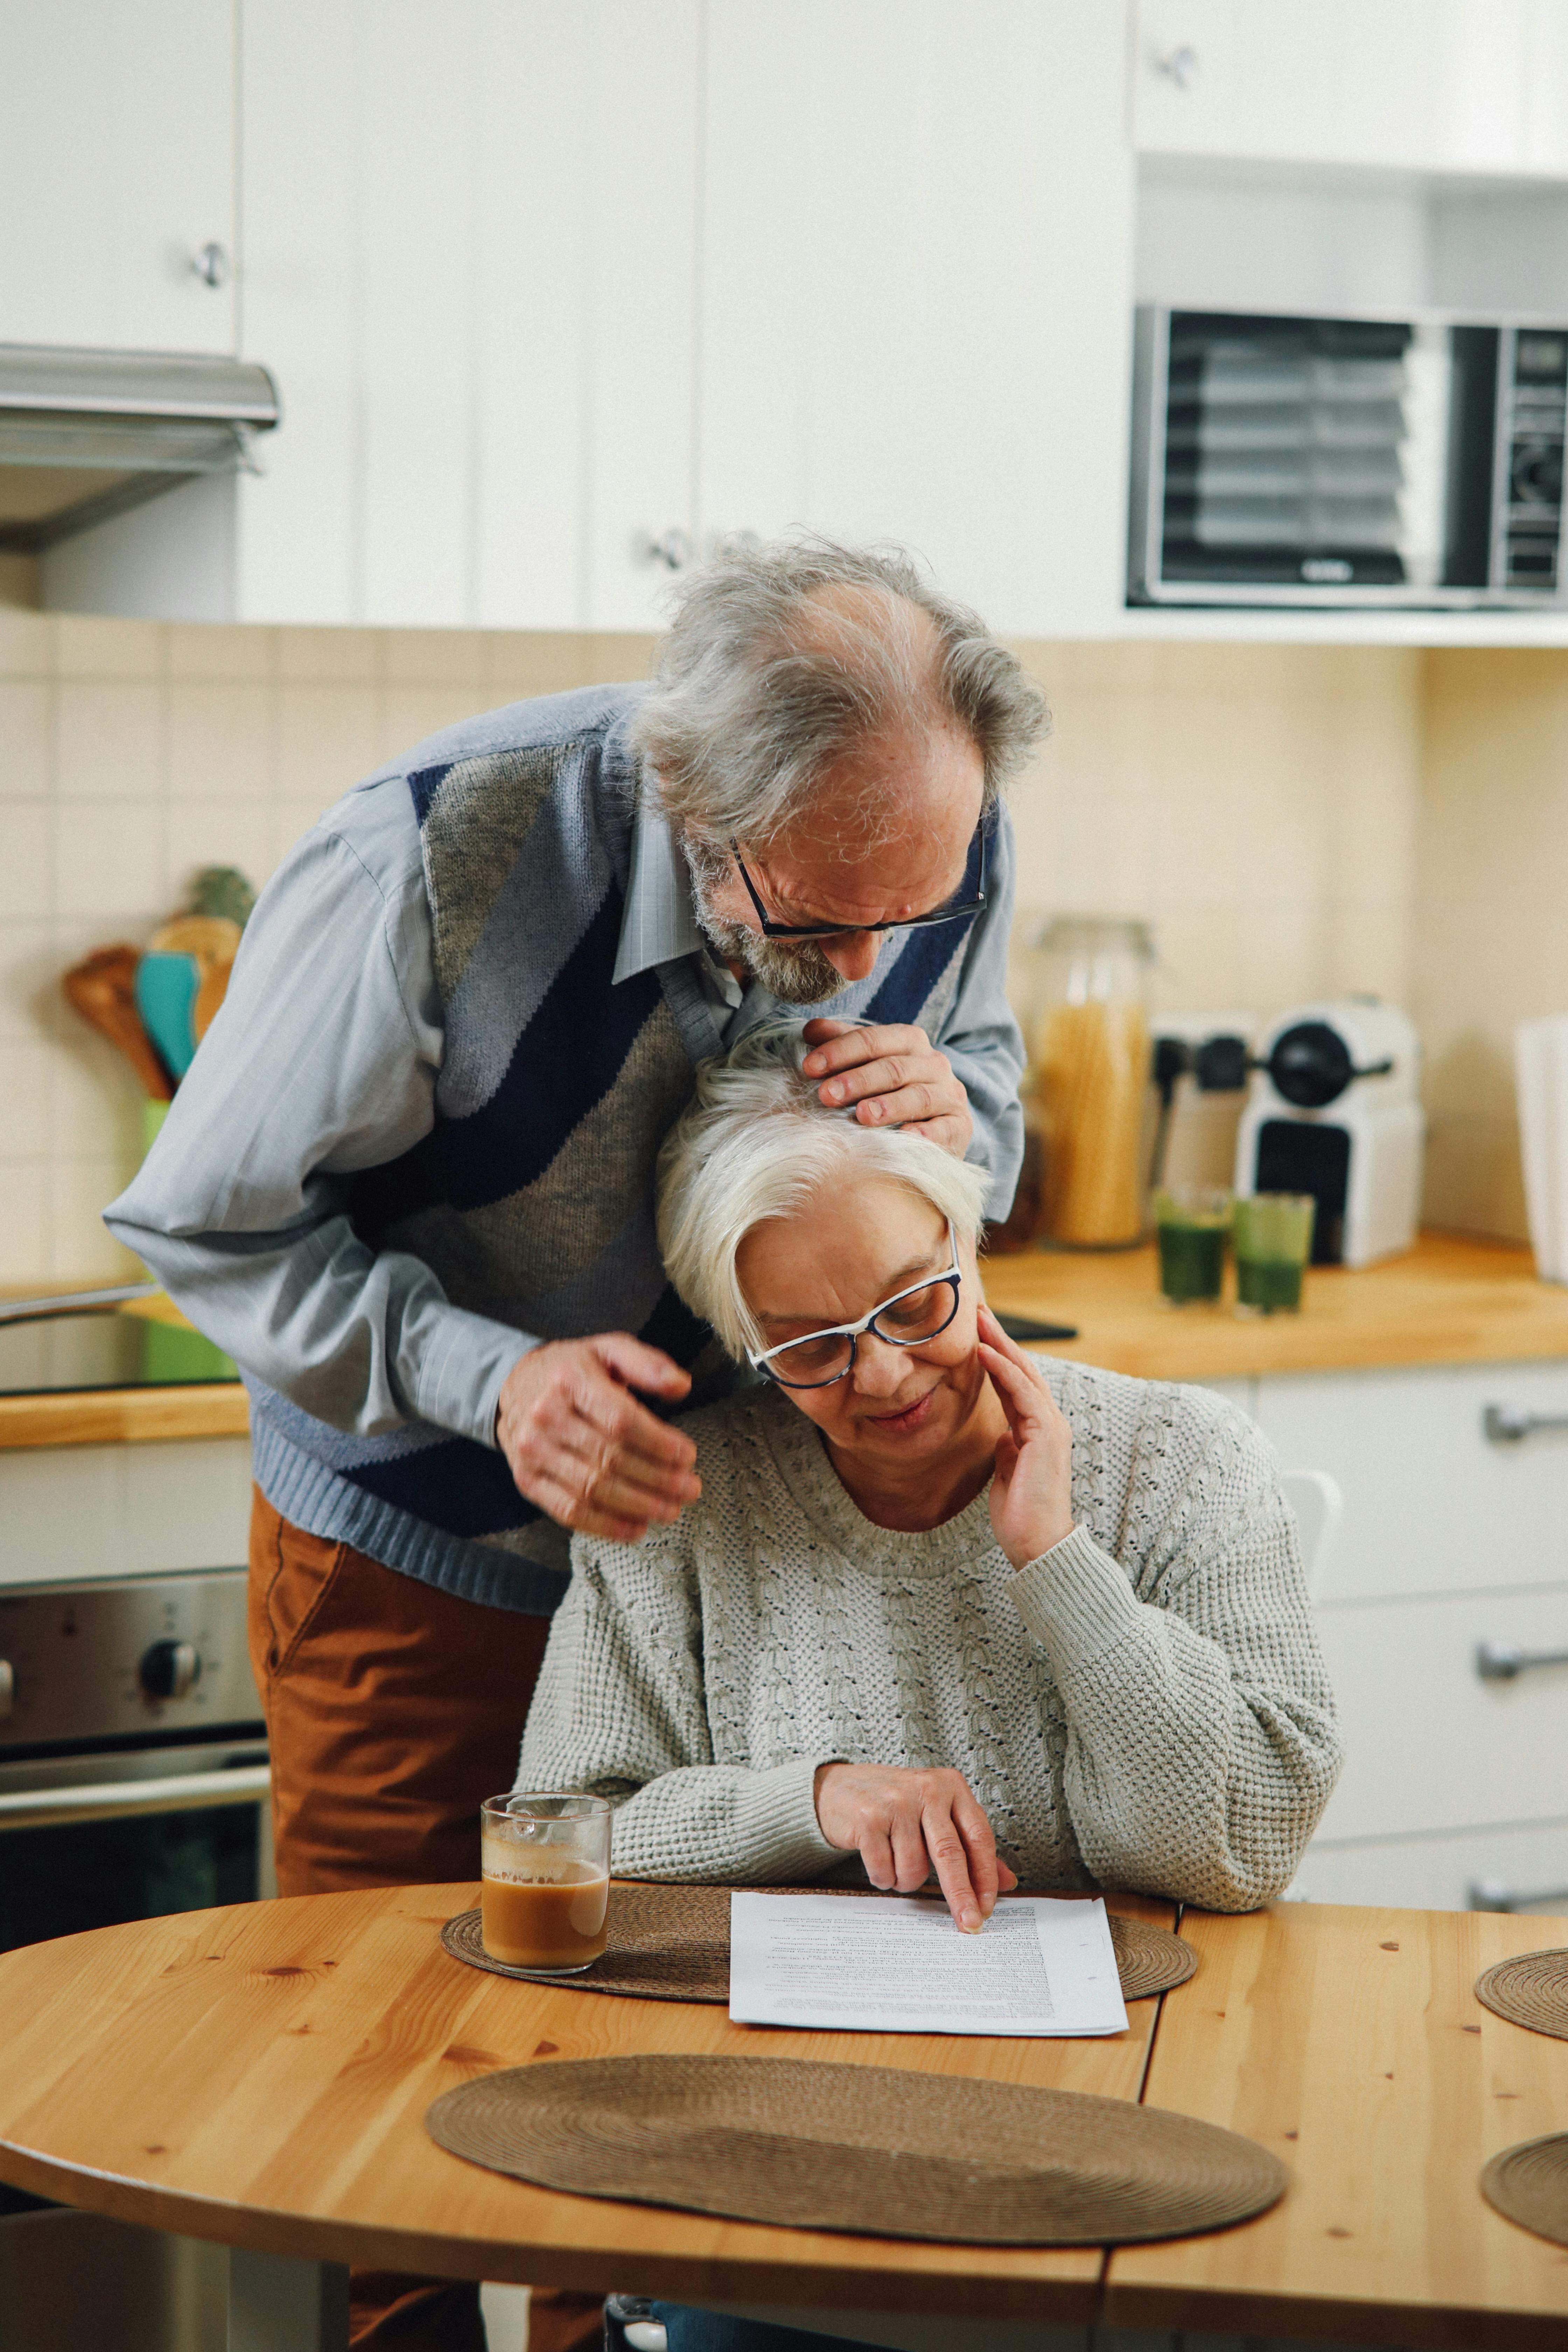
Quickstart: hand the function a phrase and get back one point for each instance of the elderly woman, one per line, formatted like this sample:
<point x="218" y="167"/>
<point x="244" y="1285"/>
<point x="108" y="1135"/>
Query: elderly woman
<point x="940" y="1604"/>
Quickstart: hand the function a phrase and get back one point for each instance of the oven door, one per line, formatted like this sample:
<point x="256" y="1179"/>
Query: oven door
<point x="89" y="1841"/>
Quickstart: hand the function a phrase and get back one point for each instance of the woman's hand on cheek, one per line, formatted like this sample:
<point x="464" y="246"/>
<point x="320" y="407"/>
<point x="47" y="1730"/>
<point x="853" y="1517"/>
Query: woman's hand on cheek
<point x="1031" y="1491"/>
<point x="901" y="1822"/>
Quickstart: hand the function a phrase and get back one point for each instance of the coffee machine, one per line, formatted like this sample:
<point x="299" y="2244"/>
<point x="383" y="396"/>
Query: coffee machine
<point x="1334" y="1111"/>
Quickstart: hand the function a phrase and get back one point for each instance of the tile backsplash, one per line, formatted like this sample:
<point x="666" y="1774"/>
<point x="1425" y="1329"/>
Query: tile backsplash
<point x="1293" y="821"/>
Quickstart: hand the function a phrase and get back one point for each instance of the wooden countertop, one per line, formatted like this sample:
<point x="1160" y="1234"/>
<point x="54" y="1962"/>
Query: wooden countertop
<point x="124" y="1416"/>
<point x="258" y="2075"/>
<point x="1450" y="1300"/>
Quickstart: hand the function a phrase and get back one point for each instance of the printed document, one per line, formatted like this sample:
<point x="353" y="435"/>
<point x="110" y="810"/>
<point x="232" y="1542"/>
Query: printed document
<point x="896" y="1964"/>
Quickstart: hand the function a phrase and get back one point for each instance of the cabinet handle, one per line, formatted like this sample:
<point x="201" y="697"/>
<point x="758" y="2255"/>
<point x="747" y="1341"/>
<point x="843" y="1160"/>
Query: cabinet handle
<point x="1179" y="66"/>
<point x="1506" y="1424"/>
<point x="673" y="549"/>
<point x="1488" y="1894"/>
<point x="1498" y="1661"/>
<point x="211" y="264"/>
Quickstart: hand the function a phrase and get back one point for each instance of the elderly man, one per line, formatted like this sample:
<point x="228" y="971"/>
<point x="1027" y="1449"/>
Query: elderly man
<point x="409" y="1181"/>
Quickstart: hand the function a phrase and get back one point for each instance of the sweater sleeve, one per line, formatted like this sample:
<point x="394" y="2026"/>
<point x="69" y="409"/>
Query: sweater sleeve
<point x="1202" y="1740"/>
<point x="620" y="1710"/>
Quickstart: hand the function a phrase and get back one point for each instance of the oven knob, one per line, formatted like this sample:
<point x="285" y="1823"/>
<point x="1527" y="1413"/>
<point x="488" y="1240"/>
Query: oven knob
<point x="8" y="1687"/>
<point x="169" y="1669"/>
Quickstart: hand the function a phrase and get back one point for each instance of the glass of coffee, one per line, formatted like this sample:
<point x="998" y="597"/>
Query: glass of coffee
<point x="1273" y="1235"/>
<point x="1192" y="1226"/>
<point x="545" y="1893"/>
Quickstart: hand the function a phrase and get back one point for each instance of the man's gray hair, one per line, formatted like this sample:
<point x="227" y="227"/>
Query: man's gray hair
<point x="782" y="658"/>
<point x="758" y="1143"/>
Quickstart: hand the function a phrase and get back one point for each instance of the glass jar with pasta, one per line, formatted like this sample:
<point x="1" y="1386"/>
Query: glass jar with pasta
<point x="1088" y="1053"/>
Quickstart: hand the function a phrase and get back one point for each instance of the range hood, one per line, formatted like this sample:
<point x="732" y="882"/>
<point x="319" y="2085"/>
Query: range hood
<point x="85" y="435"/>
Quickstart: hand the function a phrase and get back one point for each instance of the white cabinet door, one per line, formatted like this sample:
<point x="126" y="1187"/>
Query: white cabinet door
<point x="470" y="260"/>
<point x="916" y="278"/>
<point x="116" y="169"/>
<point x="1431" y="1746"/>
<point x="1414" y="84"/>
<point x="1431" y="1505"/>
<point x="1527" y="1866"/>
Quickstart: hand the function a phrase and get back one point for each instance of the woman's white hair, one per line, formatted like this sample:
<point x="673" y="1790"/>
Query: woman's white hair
<point x="758" y="1143"/>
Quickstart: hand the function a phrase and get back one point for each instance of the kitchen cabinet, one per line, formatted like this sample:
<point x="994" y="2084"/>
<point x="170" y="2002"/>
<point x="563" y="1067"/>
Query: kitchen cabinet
<point x="915" y="274"/>
<point x="471" y="261"/>
<point x="1429" y="85"/>
<point x="1432" y="1506"/>
<point x="550" y="288"/>
<point x="69" y="1513"/>
<point x="1451" y="1543"/>
<point x="117" y="149"/>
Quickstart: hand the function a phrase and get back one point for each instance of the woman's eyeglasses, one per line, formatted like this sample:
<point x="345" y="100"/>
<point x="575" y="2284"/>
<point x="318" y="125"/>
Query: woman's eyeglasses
<point x="973" y="905"/>
<point x="903" y="1321"/>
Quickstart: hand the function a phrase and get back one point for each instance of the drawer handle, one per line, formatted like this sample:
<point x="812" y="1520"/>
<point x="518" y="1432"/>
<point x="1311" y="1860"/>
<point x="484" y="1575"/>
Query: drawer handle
<point x="1487" y="1894"/>
<point x="1506" y="1424"/>
<point x="1498" y="1661"/>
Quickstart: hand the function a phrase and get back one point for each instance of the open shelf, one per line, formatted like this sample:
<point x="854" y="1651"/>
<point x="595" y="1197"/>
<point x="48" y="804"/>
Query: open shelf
<point x="1230" y="624"/>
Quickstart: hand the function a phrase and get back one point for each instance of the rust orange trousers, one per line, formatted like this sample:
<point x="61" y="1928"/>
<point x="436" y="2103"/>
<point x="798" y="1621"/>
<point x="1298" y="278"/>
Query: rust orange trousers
<point x="392" y="1709"/>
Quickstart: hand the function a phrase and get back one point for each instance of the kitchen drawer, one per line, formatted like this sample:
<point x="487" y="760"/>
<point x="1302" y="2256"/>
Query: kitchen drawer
<point x="1429" y="1745"/>
<point x="1431" y="1503"/>
<point x="71" y="1511"/>
<point x="1437" y="1873"/>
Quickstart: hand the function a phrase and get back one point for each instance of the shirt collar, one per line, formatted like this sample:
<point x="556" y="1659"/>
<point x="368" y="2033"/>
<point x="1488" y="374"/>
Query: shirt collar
<point x="657" y="923"/>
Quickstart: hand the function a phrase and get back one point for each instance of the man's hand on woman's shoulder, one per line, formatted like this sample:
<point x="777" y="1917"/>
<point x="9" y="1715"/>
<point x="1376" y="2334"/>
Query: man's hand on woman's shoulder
<point x="903" y="1822"/>
<point x="581" y="1446"/>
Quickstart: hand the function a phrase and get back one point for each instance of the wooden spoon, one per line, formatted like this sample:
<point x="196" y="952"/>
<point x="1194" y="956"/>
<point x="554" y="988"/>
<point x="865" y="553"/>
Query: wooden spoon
<point x="102" y="989"/>
<point x="210" y="994"/>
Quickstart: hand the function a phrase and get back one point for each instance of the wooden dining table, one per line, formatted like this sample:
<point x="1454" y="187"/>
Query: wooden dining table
<point x="258" y="2075"/>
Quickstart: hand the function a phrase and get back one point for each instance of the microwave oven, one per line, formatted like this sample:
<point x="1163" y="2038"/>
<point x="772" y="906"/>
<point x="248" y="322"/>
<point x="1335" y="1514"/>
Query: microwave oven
<point x="1350" y="461"/>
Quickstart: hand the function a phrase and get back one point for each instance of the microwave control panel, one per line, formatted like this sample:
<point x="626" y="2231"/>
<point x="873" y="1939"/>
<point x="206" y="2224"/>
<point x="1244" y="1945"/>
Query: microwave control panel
<point x="1534" y="393"/>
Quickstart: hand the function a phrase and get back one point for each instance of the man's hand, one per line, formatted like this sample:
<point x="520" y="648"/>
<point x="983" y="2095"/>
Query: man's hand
<point x="1031" y="1489"/>
<point x="581" y="1446"/>
<point x="894" y="1076"/>
<point x="902" y="1821"/>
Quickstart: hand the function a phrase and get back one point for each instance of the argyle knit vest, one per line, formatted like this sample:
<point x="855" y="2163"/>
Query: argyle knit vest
<point x="531" y="1198"/>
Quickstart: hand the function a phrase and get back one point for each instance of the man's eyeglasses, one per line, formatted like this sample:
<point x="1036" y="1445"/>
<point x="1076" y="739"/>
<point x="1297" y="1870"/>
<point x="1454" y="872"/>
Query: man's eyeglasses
<point x="973" y="905"/>
<point x="910" y="1316"/>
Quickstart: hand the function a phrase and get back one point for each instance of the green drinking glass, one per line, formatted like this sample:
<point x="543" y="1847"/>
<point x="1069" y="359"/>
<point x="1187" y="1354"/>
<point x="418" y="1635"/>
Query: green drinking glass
<point x="1192" y="1223"/>
<point x="1273" y="1235"/>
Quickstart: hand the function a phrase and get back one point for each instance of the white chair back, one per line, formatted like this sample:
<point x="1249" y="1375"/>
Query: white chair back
<point x="1318" y="1505"/>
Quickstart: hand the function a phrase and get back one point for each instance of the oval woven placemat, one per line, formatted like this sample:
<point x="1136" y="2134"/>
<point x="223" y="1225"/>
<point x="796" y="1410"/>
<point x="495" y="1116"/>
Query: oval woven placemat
<point x="869" y="2149"/>
<point x="672" y="1943"/>
<point x="1530" y="1989"/>
<point x="1528" y="2184"/>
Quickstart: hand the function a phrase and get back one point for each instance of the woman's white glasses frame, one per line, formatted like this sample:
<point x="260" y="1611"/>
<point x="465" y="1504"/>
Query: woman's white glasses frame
<point x="953" y="1274"/>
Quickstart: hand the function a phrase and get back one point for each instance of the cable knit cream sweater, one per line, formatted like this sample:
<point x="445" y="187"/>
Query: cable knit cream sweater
<point x="1143" y="1706"/>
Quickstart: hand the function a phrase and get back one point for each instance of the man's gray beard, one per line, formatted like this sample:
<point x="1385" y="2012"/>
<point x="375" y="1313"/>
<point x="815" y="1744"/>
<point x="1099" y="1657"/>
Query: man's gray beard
<point x="795" y="972"/>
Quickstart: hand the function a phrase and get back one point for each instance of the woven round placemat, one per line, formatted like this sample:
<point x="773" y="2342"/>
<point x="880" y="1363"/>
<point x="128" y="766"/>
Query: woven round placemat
<point x="672" y="1943"/>
<point x="1528" y="2184"/>
<point x="1530" y="1989"/>
<point x="867" y="2149"/>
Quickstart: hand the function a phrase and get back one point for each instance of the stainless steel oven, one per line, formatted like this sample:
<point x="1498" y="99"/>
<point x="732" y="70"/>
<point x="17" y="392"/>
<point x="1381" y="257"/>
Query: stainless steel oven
<point x="133" y="1774"/>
